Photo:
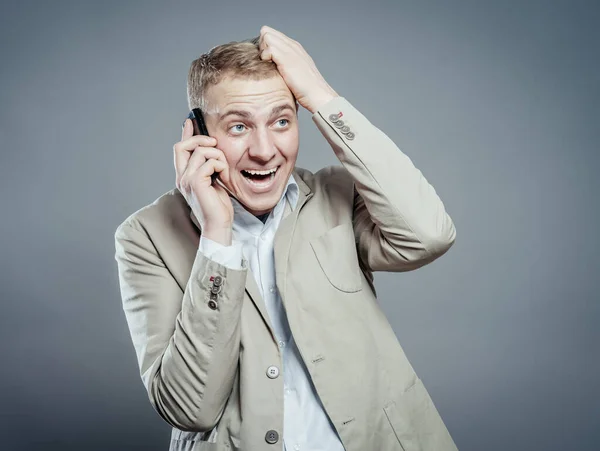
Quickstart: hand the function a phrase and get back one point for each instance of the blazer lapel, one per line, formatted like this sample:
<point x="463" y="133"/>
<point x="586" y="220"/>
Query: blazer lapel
<point x="285" y="233"/>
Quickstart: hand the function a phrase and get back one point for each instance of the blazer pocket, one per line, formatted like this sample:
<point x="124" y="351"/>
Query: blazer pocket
<point x="417" y="423"/>
<point x="193" y="445"/>
<point x="336" y="252"/>
<point x="193" y="441"/>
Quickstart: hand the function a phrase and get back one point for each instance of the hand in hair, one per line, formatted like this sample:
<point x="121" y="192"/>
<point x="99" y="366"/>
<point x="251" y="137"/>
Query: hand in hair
<point x="296" y="67"/>
<point x="196" y="159"/>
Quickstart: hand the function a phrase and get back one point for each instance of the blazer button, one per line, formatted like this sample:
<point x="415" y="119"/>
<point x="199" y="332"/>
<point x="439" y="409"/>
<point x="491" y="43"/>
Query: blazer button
<point x="339" y="124"/>
<point x="349" y="135"/>
<point x="215" y="289"/>
<point x="272" y="372"/>
<point x="333" y="117"/>
<point x="345" y="129"/>
<point x="272" y="436"/>
<point x="212" y="304"/>
<point x="218" y="280"/>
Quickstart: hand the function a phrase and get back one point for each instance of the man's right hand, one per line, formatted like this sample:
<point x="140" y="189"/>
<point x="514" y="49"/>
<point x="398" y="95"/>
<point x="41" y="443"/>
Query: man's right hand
<point x="196" y="159"/>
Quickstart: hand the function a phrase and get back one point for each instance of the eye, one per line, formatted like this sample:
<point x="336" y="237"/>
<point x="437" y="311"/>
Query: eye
<point x="285" y="122"/>
<point x="237" y="128"/>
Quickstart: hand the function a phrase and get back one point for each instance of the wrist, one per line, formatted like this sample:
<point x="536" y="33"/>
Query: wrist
<point x="321" y="99"/>
<point x="221" y="235"/>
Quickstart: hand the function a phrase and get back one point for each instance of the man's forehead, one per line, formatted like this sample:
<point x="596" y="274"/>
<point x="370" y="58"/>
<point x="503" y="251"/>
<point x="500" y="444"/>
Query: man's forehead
<point x="255" y="96"/>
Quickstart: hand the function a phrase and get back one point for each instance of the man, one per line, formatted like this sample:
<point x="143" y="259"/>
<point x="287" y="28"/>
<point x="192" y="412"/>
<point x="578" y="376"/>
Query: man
<point x="250" y="296"/>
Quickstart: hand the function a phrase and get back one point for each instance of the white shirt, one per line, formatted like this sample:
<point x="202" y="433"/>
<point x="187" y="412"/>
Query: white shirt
<point x="306" y="424"/>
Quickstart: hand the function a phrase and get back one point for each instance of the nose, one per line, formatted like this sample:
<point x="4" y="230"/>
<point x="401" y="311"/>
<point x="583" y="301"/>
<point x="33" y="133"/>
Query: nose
<point x="262" y="146"/>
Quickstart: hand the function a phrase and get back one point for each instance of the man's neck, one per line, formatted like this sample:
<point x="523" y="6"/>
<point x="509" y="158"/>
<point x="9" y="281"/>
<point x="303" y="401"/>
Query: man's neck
<point x="263" y="217"/>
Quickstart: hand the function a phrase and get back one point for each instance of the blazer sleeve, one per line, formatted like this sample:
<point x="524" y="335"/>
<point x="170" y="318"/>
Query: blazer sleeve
<point x="400" y="223"/>
<point x="187" y="352"/>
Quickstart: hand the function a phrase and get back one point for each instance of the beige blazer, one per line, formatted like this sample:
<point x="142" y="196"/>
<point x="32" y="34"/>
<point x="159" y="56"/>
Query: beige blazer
<point x="203" y="356"/>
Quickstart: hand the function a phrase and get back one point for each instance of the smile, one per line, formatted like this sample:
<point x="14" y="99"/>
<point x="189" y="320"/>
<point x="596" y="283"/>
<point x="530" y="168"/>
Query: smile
<point x="260" y="180"/>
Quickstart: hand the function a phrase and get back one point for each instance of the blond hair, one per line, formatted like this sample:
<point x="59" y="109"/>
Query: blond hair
<point x="234" y="59"/>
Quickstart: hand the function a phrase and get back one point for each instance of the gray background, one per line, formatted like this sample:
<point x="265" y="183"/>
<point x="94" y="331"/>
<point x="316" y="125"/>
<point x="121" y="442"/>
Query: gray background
<point x="496" y="102"/>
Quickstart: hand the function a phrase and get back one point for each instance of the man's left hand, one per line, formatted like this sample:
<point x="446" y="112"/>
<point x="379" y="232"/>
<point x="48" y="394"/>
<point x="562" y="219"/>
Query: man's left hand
<point x="297" y="69"/>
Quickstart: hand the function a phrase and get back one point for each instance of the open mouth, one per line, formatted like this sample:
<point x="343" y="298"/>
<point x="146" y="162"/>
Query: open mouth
<point x="260" y="178"/>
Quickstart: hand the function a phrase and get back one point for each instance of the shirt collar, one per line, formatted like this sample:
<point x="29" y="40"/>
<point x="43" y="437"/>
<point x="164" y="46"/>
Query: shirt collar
<point x="291" y="191"/>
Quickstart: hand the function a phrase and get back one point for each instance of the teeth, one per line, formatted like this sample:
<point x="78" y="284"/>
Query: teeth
<point x="270" y="171"/>
<point x="263" y="183"/>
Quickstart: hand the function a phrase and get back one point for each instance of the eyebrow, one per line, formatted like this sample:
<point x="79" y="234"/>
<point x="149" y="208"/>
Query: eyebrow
<point x="248" y="115"/>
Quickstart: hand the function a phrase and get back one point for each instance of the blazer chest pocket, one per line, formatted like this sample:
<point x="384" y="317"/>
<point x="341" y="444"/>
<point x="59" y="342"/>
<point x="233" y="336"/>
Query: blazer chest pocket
<point x="336" y="252"/>
<point x="417" y="423"/>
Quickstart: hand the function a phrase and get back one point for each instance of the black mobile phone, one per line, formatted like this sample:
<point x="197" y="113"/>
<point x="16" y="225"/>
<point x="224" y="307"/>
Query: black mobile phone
<point x="197" y="119"/>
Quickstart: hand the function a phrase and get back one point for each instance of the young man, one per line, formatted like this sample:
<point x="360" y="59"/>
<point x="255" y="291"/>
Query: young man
<point x="250" y="297"/>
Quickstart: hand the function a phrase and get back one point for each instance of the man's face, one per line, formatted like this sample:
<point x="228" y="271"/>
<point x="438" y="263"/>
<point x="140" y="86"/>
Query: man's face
<point x="256" y="126"/>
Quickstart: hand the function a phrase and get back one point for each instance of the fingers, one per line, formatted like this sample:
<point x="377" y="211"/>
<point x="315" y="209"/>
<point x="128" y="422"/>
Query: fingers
<point x="180" y="157"/>
<point x="200" y="156"/>
<point x="266" y="55"/>
<point x="270" y="47"/>
<point x="270" y="39"/>
<point x="273" y="44"/>
<point x="263" y="46"/>
<point x="198" y="160"/>
<point x="182" y="150"/>
<point x="271" y="36"/>
<point x="188" y="137"/>
<point x="204" y="171"/>
<point x="180" y="160"/>
<point x="273" y="32"/>
<point x="191" y="142"/>
<point x="188" y="130"/>
<point x="211" y="166"/>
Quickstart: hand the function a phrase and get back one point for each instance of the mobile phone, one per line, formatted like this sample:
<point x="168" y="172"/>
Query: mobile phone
<point x="198" y="121"/>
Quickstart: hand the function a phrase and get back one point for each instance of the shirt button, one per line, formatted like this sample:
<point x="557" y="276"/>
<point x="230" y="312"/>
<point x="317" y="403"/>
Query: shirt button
<point x="272" y="372"/>
<point x="281" y="344"/>
<point x="272" y="288"/>
<point x="272" y="436"/>
<point x="287" y="391"/>
<point x="296" y="447"/>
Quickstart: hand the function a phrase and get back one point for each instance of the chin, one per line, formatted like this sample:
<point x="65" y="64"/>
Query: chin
<point x="262" y="206"/>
